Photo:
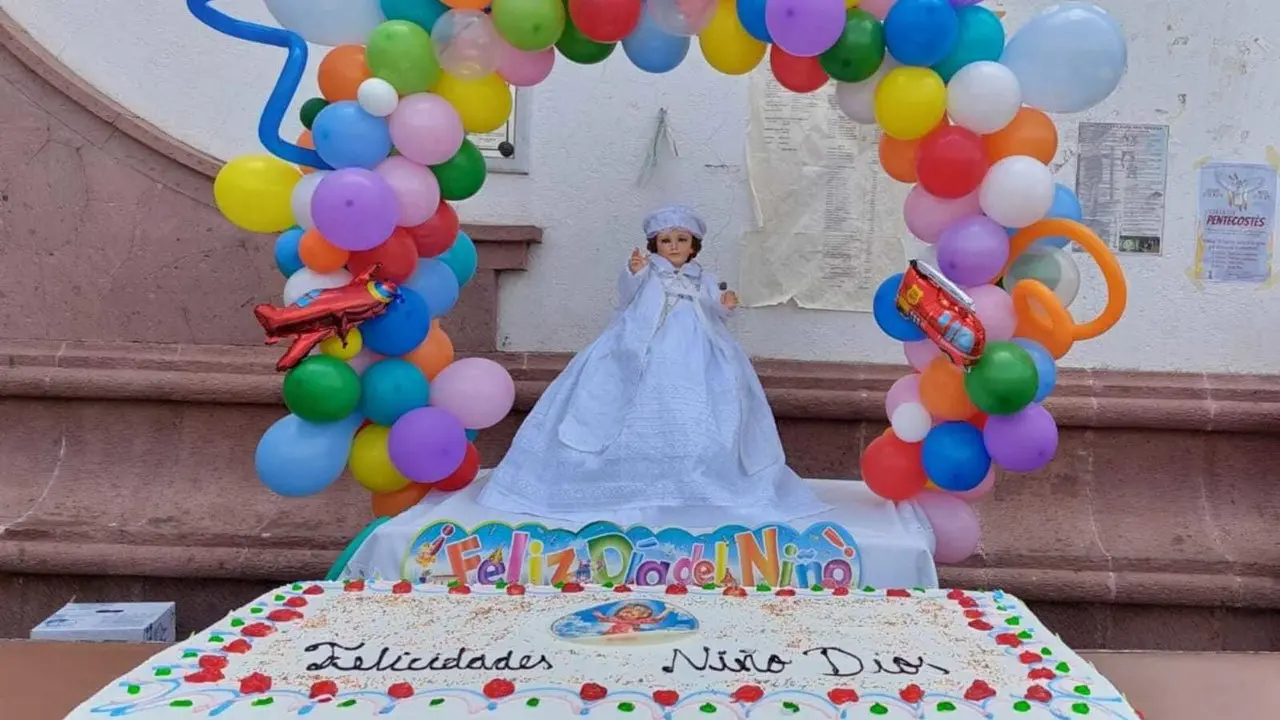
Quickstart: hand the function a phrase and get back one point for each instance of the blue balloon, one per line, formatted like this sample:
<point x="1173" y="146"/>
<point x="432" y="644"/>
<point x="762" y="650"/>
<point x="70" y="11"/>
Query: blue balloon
<point x="751" y="15"/>
<point x="423" y="13"/>
<point x="390" y="388"/>
<point x="884" y="306"/>
<point x="1046" y="368"/>
<point x="921" y="32"/>
<point x="1066" y="206"/>
<point x="653" y="50"/>
<point x="297" y="458"/>
<point x="347" y="136"/>
<point x="980" y="37"/>
<point x="288" y="261"/>
<point x="436" y="283"/>
<point x="472" y="435"/>
<point x="401" y="328"/>
<point x="461" y="257"/>
<point x="955" y="457"/>
<point x="1068" y="58"/>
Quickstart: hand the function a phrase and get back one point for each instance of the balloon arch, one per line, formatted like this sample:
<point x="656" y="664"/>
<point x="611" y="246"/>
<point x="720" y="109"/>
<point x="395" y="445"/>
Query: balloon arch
<point x="363" y="201"/>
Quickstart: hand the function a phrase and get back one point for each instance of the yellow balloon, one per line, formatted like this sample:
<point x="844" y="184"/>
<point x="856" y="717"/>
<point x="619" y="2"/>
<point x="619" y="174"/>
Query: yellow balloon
<point x="254" y="192"/>
<point x="484" y="104"/>
<point x="726" y="45"/>
<point x="910" y="101"/>
<point x="334" y="347"/>
<point x="850" y="4"/>
<point x="370" y="462"/>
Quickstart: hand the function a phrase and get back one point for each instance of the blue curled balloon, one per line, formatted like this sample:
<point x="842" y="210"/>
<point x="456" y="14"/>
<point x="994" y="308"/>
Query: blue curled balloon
<point x="286" y="87"/>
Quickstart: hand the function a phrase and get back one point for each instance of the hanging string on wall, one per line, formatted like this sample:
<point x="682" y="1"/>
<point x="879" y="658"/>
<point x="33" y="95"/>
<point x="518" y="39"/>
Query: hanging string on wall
<point x="661" y="136"/>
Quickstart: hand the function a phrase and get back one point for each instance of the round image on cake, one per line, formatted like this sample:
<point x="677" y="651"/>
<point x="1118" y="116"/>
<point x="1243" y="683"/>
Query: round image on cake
<point x="626" y="622"/>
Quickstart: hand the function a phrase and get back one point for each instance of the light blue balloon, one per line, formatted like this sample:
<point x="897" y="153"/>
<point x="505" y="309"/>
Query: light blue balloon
<point x="751" y="15"/>
<point x="347" y="136"/>
<point x="436" y="283"/>
<point x="472" y="435"/>
<point x="390" y="388"/>
<point x="1045" y="366"/>
<point x="462" y="258"/>
<point x="288" y="261"/>
<point x="1066" y="206"/>
<point x="423" y="13"/>
<point x="653" y="50"/>
<point x="981" y="37"/>
<point x="297" y="458"/>
<point x="1068" y="58"/>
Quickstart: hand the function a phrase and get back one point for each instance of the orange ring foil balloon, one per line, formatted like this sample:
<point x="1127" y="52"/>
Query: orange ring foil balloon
<point x="1041" y="315"/>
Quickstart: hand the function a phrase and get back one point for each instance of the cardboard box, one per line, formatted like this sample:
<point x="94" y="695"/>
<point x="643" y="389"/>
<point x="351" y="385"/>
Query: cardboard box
<point x="107" y="622"/>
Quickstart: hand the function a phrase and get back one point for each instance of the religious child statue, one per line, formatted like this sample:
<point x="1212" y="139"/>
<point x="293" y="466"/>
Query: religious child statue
<point x="661" y="421"/>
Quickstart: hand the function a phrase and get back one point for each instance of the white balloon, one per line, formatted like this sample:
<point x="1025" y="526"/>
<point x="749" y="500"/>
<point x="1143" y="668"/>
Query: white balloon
<point x="301" y="200"/>
<point x="858" y="100"/>
<point x="681" y="17"/>
<point x="306" y="280"/>
<point x="1017" y="191"/>
<point x="467" y="44"/>
<point x="378" y="97"/>
<point x="911" y="422"/>
<point x="983" y="97"/>
<point x="329" y="22"/>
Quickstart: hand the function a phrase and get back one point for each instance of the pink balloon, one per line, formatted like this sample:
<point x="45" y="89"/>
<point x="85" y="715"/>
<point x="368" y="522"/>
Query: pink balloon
<point x="904" y="390"/>
<point x="921" y="353"/>
<point x="984" y="488"/>
<point x="955" y="526"/>
<point x="927" y="216"/>
<point x="415" y="187"/>
<point x="525" y="69"/>
<point x="426" y="129"/>
<point x="879" y="8"/>
<point x="995" y="310"/>
<point x="477" y="391"/>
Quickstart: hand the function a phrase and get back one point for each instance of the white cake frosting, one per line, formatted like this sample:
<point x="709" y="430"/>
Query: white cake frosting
<point x="335" y="650"/>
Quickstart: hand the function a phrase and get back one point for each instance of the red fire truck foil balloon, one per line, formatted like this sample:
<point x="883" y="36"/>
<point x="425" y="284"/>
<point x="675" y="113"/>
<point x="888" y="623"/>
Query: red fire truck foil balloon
<point x="943" y="312"/>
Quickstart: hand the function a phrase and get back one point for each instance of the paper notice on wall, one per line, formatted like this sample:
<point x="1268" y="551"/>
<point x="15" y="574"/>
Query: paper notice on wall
<point x="1121" y="174"/>
<point x="1235" y="223"/>
<point x="829" y="222"/>
<point x="489" y="143"/>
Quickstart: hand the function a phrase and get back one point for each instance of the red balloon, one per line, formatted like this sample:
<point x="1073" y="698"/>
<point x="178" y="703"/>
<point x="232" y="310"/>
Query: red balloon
<point x="437" y="234"/>
<point x="951" y="162"/>
<point x="605" y="21"/>
<point x="797" y="74"/>
<point x="892" y="468"/>
<point x="396" y="258"/>
<point x="465" y="473"/>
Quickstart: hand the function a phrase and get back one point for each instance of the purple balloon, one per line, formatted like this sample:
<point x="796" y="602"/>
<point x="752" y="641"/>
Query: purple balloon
<point x="973" y="250"/>
<point x="804" y="28"/>
<point x="355" y="209"/>
<point x="427" y="444"/>
<point x="1022" y="442"/>
<point x="964" y="3"/>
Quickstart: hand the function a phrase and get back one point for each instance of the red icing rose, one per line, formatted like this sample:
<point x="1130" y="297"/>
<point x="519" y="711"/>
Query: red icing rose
<point x="571" y="587"/>
<point x="786" y="592"/>
<point x="1039" y="693"/>
<point x="982" y="625"/>
<point x="460" y="590"/>
<point x="1026" y="657"/>
<point x="353" y="586"/>
<point x="841" y="591"/>
<point x="666" y="698"/>
<point x="979" y="691"/>
<point x="1008" y="639"/>
<point x="912" y="694"/>
<point x="516" y="589"/>
<point x="256" y="630"/>
<point x="840" y="696"/>
<point x="213" y="662"/>
<point x="967" y="602"/>
<point x="297" y="601"/>
<point x="591" y="692"/>
<point x="677" y="589"/>
<point x="1041" y="674"/>
<point x="622" y="589"/>
<point x="956" y="594"/>
<point x="313" y="590"/>
<point x="206" y="675"/>
<point x="254" y="683"/>
<point x="973" y="614"/>
<point x="324" y="690"/>
<point x="400" y="691"/>
<point x="498" y="688"/>
<point x="747" y="694"/>
<point x="280" y="615"/>
<point x="735" y="591"/>
<point x="239" y="646"/>
<point x="897" y="593"/>
<point x="401" y="588"/>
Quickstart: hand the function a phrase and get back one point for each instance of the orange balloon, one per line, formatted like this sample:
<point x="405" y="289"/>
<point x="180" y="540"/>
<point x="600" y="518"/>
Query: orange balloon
<point x="393" y="503"/>
<point x="898" y="158"/>
<point x="341" y="72"/>
<point x="1031" y="133"/>
<point x="319" y="254"/>
<point x="305" y="140"/>
<point x="467" y="4"/>
<point x="942" y="391"/>
<point x="434" y="354"/>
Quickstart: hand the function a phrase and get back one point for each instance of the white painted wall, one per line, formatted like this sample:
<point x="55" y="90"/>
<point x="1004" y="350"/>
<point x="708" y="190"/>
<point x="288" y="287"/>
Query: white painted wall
<point x="1213" y="80"/>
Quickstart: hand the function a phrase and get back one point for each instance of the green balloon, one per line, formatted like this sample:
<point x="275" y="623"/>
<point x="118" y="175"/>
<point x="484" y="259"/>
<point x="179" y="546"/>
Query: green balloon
<point x="579" y="48"/>
<point x="529" y="24"/>
<point x="462" y="175"/>
<point x="322" y="389"/>
<point x="310" y="109"/>
<point x="1004" y="380"/>
<point x="401" y="53"/>
<point x="860" y="50"/>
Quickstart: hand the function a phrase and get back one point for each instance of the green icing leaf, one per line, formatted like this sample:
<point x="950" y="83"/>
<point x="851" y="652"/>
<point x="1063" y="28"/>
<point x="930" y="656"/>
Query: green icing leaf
<point x="946" y="706"/>
<point x="454" y="583"/>
<point x="533" y="702"/>
<point x="708" y="586"/>
<point x="608" y="584"/>
<point x="295" y="587"/>
<point x="1062" y="667"/>
<point x="1082" y="690"/>
<point x="190" y="654"/>
<point x="816" y="587"/>
<point x="1046" y="652"/>
<point x="1024" y="635"/>
<point x="1022" y="706"/>
<point x="917" y="589"/>
<point x="181" y="703"/>
<point x="868" y="588"/>
<point x="133" y="689"/>
<point x="1015" y="620"/>
<point x="1080" y="708"/>
<point x="163" y="672"/>
<point x="236" y="622"/>
<point x="790" y="706"/>
<point x="436" y="701"/>
<point x="879" y="709"/>
<point x="346" y="703"/>
<point x="279" y="598"/>
<point x="263" y="702"/>
<point x="255" y="610"/>
<point x="763" y="588"/>
<point x="707" y="708"/>
<point x="215" y="638"/>
<point x="626" y="707"/>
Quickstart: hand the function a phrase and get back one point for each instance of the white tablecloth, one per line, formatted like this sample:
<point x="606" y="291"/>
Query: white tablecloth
<point x="895" y="542"/>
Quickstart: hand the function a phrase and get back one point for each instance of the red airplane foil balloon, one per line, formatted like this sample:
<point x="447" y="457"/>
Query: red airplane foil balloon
<point x="322" y="314"/>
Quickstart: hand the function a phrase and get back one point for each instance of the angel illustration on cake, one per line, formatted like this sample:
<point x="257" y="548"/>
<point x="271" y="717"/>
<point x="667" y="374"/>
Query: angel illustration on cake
<point x="626" y="621"/>
<point x="662" y="420"/>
